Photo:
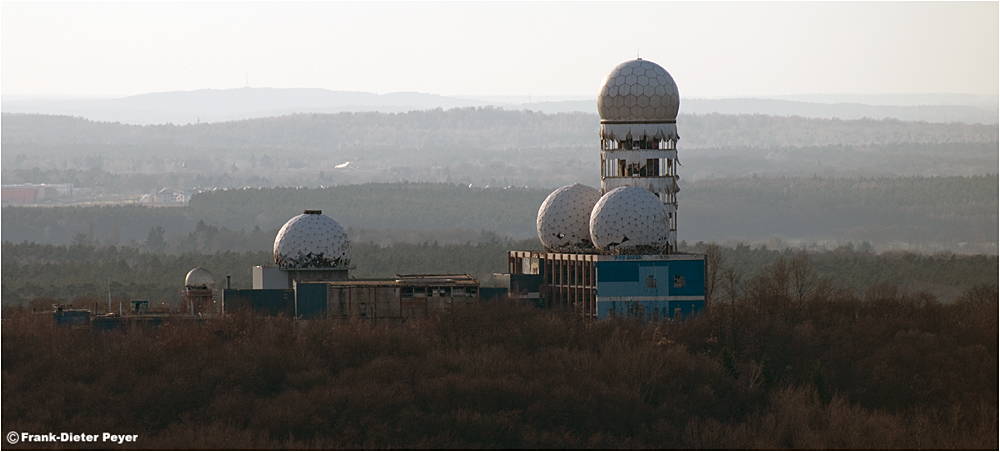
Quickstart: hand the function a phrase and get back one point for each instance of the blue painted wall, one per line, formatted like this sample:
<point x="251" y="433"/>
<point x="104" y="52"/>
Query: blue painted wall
<point x="650" y="288"/>
<point x="310" y="300"/>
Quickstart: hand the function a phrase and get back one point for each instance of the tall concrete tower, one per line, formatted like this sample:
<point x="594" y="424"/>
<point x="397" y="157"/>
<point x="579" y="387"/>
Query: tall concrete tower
<point x="638" y="104"/>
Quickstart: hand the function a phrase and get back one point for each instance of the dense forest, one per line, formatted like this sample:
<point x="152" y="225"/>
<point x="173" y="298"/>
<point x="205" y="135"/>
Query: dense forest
<point x="929" y="214"/>
<point x="41" y="275"/>
<point x="766" y="370"/>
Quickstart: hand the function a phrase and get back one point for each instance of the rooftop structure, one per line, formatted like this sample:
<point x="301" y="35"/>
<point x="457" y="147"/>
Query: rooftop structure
<point x="309" y="247"/>
<point x="564" y="218"/>
<point x="630" y="220"/>
<point x="312" y="240"/>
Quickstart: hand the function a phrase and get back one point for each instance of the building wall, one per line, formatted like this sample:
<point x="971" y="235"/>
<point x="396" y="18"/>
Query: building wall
<point x="19" y="195"/>
<point x="394" y="301"/>
<point x="599" y="286"/>
<point x="263" y="301"/>
<point x="650" y="287"/>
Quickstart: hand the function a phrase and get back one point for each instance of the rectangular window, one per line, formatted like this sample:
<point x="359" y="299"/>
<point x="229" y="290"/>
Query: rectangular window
<point x="652" y="167"/>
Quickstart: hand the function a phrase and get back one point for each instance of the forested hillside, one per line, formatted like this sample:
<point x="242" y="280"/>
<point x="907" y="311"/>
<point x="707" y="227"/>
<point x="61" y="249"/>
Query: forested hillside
<point x="477" y="128"/>
<point x="913" y="213"/>
<point x="481" y="146"/>
<point x="899" y="213"/>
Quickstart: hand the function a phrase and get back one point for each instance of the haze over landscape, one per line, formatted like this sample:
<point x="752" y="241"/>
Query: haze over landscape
<point x="838" y="207"/>
<point x="207" y="96"/>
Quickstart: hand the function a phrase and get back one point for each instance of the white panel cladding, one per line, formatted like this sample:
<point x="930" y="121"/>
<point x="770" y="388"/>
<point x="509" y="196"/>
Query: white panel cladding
<point x="311" y="240"/>
<point x="630" y="220"/>
<point x="638" y="100"/>
<point x="563" y="221"/>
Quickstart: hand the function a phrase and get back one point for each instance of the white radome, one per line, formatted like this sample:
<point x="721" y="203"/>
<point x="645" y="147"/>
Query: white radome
<point x="638" y="100"/>
<point x="564" y="218"/>
<point x="311" y="240"/>
<point x="638" y="90"/>
<point x="199" y="277"/>
<point x="629" y="220"/>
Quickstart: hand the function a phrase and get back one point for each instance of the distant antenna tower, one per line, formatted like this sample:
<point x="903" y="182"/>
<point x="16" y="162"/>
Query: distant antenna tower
<point x="248" y="79"/>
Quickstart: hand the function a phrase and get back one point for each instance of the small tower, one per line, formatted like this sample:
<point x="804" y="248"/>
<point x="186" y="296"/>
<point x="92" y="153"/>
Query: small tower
<point x="199" y="288"/>
<point x="638" y="105"/>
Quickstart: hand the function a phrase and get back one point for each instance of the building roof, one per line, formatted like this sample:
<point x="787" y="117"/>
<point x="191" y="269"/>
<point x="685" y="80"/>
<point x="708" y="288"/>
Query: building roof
<point x="410" y="280"/>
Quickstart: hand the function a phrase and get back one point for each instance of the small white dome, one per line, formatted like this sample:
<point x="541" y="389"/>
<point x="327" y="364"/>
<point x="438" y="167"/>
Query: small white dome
<point x="199" y="277"/>
<point x="311" y="240"/>
<point x="564" y="218"/>
<point x="629" y="220"/>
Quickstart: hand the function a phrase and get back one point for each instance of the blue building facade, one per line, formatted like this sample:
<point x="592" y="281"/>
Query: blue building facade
<point x="650" y="287"/>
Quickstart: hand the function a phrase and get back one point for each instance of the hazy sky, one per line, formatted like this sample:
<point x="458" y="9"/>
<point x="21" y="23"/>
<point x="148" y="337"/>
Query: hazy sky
<point x="507" y="48"/>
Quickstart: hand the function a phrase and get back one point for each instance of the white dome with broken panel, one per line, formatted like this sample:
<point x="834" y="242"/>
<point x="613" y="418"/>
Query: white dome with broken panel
<point x="311" y="240"/>
<point x="638" y="98"/>
<point x="564" y="218"/>
<point x="629" y="220"/>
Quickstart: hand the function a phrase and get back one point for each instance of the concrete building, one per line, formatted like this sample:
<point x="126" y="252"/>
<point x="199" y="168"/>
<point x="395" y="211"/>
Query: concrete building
<point x="35" y="193"/>
<point x="406" y="296"/>
<point x="310" y="279"/>
<point x="600" y="286"/>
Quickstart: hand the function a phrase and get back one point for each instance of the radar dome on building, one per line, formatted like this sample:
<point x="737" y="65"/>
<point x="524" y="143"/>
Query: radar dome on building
<point x="629" y="220"/>
<point x="564" y="218"/>
<point x="311" y="240"/>
<point x="199" y="278"/>
<point x="638" y="100"/>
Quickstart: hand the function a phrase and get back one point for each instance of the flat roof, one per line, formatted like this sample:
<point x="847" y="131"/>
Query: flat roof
<point x="408" y="280"/>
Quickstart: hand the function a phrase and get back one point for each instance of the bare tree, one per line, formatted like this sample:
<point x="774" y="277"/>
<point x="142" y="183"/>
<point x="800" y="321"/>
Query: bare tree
<point x="713" y="266"/>
<point x="732" y="284"/>
<point x="801" y="275"/>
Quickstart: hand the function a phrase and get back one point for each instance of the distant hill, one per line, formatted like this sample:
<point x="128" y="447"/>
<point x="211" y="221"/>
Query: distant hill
<point x="211" y="105"/>
<point x="480" y="146"/>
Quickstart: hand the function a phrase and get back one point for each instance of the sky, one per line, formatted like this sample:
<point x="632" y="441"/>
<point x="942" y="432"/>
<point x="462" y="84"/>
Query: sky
<point x="712" y="49"/>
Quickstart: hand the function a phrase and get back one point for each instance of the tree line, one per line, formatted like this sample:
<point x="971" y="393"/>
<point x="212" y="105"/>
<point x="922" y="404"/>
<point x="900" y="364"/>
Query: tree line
<point x="909" y="213"/>
<point x="478" y="128"/>
<point x="766" y="370"/>
<point x="46" y="274"/>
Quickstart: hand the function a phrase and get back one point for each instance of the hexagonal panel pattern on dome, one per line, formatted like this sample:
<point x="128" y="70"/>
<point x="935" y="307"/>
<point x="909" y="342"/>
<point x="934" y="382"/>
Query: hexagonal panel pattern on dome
<point x="564" y="218"/>
<point x="629" y="220"/>
<point x="638" y="90"/>
<point x="311" y="241"/>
